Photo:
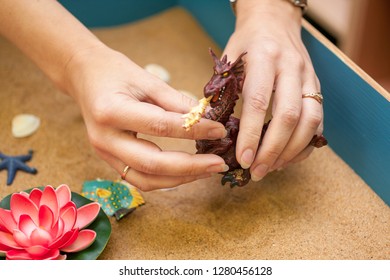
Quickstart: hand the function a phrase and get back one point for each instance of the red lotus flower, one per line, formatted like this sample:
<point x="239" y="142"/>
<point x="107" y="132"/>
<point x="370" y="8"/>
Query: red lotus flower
<point x="42" y="224"/>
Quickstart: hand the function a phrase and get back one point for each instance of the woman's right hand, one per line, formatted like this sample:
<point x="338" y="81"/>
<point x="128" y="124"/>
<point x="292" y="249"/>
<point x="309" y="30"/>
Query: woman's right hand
<point x="118" y="100"/>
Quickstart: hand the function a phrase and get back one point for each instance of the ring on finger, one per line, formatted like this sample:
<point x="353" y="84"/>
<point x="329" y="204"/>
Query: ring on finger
<point x="124" y="173"/>
<point x="315" y="95"/>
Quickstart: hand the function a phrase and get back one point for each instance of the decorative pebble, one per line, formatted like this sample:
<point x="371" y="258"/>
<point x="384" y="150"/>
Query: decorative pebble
<point x="158" y="71"/>
<point x="24" y="125"/>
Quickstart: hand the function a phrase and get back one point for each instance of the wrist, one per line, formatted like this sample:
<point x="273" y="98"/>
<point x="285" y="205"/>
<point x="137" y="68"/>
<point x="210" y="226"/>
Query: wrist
<point x="77" y="68"/>
<point x="267" y="14"/>
<point x="276" y="8"/>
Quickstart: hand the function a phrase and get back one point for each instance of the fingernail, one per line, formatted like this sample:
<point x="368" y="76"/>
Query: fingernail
<point x="259" y="172"/>
<point x="217" y="168"/>
<point x="247" y="158"/>
<point x="217" y="133"/>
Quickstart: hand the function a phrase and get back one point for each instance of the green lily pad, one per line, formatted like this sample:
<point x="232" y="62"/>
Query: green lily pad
<point x="101" y="226"/>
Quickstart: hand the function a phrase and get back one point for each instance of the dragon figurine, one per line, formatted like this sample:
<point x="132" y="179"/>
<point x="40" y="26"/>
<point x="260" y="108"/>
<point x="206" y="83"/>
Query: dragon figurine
<point x="221" y="93"/>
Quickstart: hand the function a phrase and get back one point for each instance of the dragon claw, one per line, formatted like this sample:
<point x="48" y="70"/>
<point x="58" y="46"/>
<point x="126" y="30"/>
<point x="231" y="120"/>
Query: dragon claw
<point x="234" y="184"/>
<point x="237" y="178"/>
<point x="228" y="177"/>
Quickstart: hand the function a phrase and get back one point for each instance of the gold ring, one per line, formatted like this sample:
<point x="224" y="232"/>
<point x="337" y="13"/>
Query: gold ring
<point x="315" y="95"/>
<point x="125" y="170"/>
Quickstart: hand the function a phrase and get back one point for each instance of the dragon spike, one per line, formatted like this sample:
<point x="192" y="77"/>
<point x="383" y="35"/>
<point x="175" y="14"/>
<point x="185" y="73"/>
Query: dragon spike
<point x="239" y="62"/>
<point x="213" y="55"/>
<point x="224" y="59"/>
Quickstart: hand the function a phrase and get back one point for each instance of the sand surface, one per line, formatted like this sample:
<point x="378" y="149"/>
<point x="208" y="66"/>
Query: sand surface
<point x="317" y="209"/>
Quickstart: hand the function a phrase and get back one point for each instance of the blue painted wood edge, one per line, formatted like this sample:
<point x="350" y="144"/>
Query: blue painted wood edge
<point x="357" y="117"/>
<point x="105" y="13"/>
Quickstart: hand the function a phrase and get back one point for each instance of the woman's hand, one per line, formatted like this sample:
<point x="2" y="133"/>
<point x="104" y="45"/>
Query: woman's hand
<point x="118" y="100"/>
<point x="277" y="64"/>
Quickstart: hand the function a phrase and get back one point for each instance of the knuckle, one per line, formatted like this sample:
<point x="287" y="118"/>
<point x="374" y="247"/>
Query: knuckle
<point x="273" y="153"/>
<point x="314" y="120"/>
<point x="270" y="155"/>
<point x="195" y="133"/>
<point x="101" y="112"/>
<point x="252" y="135"/>
<point x="297" y="62"/>
<point x="96" y="140"/>
<point x="271" y="49"/>
<point x="160" y="127"/>
<point x="290" y="116"/>
<point x="259" y="103"/>
<point x="188" y="168"/>
<point x="149" y="166"/>
<point x="192" y="170"/>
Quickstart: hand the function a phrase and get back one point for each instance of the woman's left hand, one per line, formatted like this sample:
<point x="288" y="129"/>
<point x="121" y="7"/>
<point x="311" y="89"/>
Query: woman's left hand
<point x="278" y="66"/>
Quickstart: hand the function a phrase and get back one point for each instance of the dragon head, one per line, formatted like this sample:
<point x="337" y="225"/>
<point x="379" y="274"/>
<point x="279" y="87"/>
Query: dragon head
<point x="227" y="79"/>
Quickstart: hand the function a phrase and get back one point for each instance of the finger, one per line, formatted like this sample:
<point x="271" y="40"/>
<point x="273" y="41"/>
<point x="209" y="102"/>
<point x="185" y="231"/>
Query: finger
<point x="303" y="154"/>
<point x="148" y="182"/>
<point x="287" y="109"/>
<point x="172" y="100"/>
<point x="152" y="120"/>
<point x="304" y="132"/>
<point x="148" y="158"/>
<point x="256" y="95"/>
<point x="157" y="92"/>
<point x="310" y="123"/>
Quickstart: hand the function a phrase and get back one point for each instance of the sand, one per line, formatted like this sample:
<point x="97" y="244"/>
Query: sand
<point x="316" y="209"/>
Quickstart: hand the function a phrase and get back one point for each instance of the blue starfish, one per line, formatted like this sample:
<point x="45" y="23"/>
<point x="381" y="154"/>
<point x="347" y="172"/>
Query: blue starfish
<point x="15" y="163"/>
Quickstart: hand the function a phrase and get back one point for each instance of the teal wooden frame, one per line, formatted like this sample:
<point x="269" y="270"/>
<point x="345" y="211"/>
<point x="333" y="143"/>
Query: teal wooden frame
<point x="357" y="115"/>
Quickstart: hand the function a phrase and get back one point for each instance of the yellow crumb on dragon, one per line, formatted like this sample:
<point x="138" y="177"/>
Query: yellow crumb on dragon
<point x="196" y="113"/>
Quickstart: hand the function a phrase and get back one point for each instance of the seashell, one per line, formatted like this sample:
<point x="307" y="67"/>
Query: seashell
<point x="24" y="125"/>
<point x="158" y="71"/>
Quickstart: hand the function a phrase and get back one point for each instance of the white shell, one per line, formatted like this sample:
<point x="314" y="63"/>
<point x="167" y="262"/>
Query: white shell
<point x="158" y="71"/>
<point x="24" y="125"/>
